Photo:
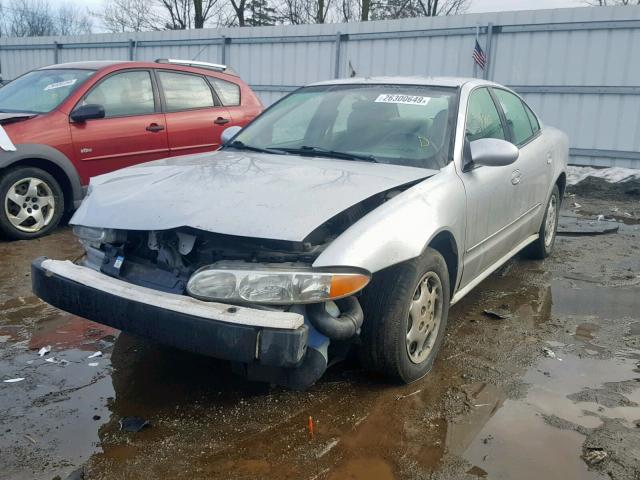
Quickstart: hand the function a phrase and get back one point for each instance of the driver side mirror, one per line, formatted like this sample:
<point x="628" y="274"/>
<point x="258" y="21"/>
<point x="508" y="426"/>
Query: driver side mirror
<point x="492" y="152"/>
<point x="87" y="112"/>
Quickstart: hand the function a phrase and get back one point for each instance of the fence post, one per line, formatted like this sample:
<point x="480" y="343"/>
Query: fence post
<point x="56" y="52"/>
<point x="226" y="41"/>
<point x="336" y="66"/>
<point x="132" y="46"/>
<point x="487" y="67"/>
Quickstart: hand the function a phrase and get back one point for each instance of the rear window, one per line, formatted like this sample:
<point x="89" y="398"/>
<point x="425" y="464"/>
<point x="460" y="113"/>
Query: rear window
<point x="228" y="92"/>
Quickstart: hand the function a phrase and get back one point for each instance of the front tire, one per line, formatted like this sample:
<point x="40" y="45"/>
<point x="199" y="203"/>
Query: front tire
<point x="32" y="203"/>
<point x="543" y="246"/>
<point x="405" y="316"/>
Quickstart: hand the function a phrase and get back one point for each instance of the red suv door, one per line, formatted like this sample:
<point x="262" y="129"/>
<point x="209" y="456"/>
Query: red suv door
<point x="133" y="130"/>
<point x="195" y="119"/>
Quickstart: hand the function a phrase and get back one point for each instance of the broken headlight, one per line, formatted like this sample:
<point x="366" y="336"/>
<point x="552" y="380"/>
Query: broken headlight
<point x="273" y="285"/>
<point x="95" y="235"/>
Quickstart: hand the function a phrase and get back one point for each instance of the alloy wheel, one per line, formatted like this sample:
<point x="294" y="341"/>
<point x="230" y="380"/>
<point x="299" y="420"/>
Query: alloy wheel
<point x="550" y="222"/>
<point x="29" y="204"/>
<point x="425" y="315"/>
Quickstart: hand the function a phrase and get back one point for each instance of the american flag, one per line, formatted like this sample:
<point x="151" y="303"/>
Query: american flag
<point x="479" y="57"/>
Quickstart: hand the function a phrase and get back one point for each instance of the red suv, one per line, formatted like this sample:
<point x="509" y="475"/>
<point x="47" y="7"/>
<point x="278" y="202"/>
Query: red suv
<point x="62" y="124"/>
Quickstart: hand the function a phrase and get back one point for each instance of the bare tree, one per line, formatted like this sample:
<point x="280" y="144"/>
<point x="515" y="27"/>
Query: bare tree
<point x="32" y="18"/>
<point x="607" y="3"/>
<point x="179" y="12"/>
<point x="391" y="9"/>
<point x="356" y="10"/>
<point x="71" y="21"/>
<point x="183" y="14"/>
<point x="306" y="11"/>
<point x="143" y="15"/>
<point x="239" y="7"/>
<point x="128" y="16"/>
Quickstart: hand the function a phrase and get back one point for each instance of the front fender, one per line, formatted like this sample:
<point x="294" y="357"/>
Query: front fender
<point x="28" y="151"/>
<point x="402" y="227"/>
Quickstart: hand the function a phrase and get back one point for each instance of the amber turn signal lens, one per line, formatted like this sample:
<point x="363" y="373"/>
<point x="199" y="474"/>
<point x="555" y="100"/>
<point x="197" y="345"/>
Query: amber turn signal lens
<point x="343" y="285"/>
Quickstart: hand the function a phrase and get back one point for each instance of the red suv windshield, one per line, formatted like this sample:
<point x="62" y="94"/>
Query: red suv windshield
<point x="40" y="91"/>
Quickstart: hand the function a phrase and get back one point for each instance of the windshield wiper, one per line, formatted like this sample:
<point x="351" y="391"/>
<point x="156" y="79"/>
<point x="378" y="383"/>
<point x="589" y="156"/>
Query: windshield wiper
<point x="238" y="145"/>
<point x="325" y="152"/>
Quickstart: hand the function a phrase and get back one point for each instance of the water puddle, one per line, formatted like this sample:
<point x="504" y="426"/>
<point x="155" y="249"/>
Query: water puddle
<point x="599" y="301"/>
<point x="532" y="426"/>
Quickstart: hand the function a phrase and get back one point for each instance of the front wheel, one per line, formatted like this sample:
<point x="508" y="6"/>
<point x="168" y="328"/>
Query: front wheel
<point x="405" y="316"/>
<point x="543" y="246"/>
<point x="32" y="203"/>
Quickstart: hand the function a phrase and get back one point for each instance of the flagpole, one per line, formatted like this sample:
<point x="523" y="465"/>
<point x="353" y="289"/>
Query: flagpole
<point x="475" y="66"/>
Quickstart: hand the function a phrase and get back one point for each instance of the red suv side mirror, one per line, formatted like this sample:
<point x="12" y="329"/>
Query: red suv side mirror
<point x="87" y="112"/>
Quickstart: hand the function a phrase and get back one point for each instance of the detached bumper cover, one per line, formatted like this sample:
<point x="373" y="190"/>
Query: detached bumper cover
<point x="227" y="332"/>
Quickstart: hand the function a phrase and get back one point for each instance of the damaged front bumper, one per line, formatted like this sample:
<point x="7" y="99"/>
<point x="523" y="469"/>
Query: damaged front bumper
<point x="255" y="338"/>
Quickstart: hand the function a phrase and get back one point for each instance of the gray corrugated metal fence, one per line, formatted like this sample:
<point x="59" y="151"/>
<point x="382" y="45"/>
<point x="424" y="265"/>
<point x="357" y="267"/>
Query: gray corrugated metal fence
<point x="579" y="68"/>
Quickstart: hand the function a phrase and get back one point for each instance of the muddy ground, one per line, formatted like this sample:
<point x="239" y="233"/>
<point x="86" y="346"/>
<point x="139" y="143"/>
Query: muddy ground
<point x="551" y="392"/>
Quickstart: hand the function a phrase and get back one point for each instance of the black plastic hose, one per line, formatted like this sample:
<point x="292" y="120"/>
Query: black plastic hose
<point x="343" y="327"/>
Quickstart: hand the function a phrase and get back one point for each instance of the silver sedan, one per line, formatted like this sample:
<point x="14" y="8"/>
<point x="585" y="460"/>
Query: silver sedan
<point x="351" y="212"/>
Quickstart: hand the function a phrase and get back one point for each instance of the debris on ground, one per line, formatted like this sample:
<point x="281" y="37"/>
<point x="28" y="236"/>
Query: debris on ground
<point x="328" y="447"/>
<point x="487" y="439"/>
<point x="13" y="380"/>
<point x="44" y="350"/>
<point x="573" y="226"/>
<point x="93" y="364"/>
<point x="30" y="438"/>
<point x="77" y="474"/>
<point x="595" y="456"/>
<point x="500" y="314"/>
<point x="95" y="354"/>
<point x="601" y="188"/>
<point x="549" y="353"/>
<point x="57" y="361"/>
<point x="133" y="424"/>
<point x="400" y="397"/>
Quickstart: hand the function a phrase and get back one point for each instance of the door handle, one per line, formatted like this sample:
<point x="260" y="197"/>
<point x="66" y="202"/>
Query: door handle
<point x="515" y="177"/>
<point x="221" y="121"/>
<point x="154" y="127"/>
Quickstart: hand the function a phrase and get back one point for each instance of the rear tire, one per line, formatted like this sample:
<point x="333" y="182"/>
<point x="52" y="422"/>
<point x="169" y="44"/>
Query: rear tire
<point x="543" y="246"/>
<point x="397" y="314"/>
<point x="32" y="203"/>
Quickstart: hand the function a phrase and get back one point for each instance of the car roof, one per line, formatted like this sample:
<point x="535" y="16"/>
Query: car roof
<point x="417" y="80"/>
<point x="91" y="65"/>
<point x="158" y="64"/>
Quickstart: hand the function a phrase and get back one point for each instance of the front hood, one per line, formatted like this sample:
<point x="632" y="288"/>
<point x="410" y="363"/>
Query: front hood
<point x="280" y="197"/>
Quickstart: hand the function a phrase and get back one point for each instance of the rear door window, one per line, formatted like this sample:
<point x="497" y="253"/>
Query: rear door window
<point x="124" y="94"/>
<point x="183" y="91"/>
<point x="516" y="115"/>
